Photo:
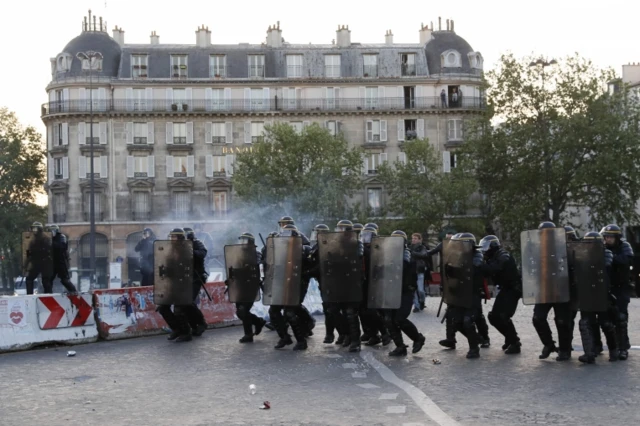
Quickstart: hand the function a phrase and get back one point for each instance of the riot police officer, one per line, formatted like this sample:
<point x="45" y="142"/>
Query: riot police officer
<point x="397" y="320"/>
<point x="563" y="318"/>
<point x="194" y="314"/>
<point x="60" y="255"/>
<point x="500" y="266"/>
<point x="620" y="283"/>
<point x="39" y="258"/>
<point x="145" y="248"/>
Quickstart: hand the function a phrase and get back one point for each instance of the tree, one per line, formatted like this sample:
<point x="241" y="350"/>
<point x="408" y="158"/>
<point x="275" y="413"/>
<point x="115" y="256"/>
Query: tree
<point x="22" y="174"/>
<point x="421" y="193"/>
<point x="560" y="143"/>
<point x="308" y="175"/>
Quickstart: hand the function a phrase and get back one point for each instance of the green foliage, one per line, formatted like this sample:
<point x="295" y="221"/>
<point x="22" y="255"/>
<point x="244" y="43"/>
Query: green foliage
<point x="421" y="193"/>
<point x="560" y="141"/>
<point x="309" y="176"/>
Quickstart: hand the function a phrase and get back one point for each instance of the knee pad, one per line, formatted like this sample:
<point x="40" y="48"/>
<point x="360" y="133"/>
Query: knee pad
<point x="607" y="326"/>
<point x="291" y="315"/>
<point x="468" y="322"/>
<point x="623" y="318"/>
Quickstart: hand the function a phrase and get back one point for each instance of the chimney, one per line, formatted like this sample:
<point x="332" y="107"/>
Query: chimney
<point x="203" y="36"/>
<point x="118" y="35"/>
<point x="155" y="39"/>
<point x="388" y="38"/>
<point x="425" y="34"/>
<point x="452" y="30"/>
<point x="274" y="36"/>
<point x="343" y="36"/>
<point x="447" y="25"/>
<point x="439" y="23"/>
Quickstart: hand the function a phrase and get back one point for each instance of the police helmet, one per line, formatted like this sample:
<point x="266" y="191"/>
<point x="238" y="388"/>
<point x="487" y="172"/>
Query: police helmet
<point x="367" y="234"/>
<point x="358" y="227"/>
<point x="37" y="227"/>
<point x="147" y="230"/>
<point x="286" y="220"/>
<point x="546" y="224"/>
<point x="318" y="229"/>
<point x="488" y="243"/>
<point x="464" y="236"/>
<point x="371" y="225"/>
<point x="611" y="231"/>
<point x="289" y="230"/>
<point x="344" y="225"/>
<point x="593" y="235"/>
<point x="570" y="233"/>
<point x="54" y="229"/>
<point x="399" y="233"/>
<point x="189" y="233"/>
<point x="247" y="238"/>
<point x="178" y="233"/>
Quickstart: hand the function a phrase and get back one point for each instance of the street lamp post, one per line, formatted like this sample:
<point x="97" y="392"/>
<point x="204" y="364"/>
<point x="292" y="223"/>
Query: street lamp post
<point x="91" y="57"/>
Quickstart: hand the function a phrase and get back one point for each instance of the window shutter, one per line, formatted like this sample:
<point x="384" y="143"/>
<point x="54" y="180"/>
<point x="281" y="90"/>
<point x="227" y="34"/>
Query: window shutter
<point x="381" y="97"/>
<point x="208" y="132"/>
<point x="400" y="130"/>
<point x="363" y="95"/>
<point x="383" y="157"/>
<point x="247" y="132"/>
<point x="169" y="98"/>
<point x="420" y="128"/>
<point x="103" y="132"/>
<point x="266" y="99"/>
<point x="229" y="160"/>
<point x="129" y="132"/>
<point x="208" y="96"/>
<point x="65" y="133"/>
<point x="65" y="96"/>
<point x="50" y="137"/>
<point x="383" y="130"/>
<point x="148" y="92"/>
<point x="227" y="98"/>
<point x="151" y="166"/>
<point x="81" y="136"/>
<point x="151" y="137"/>
<point x="189" y="94"/>
<point x="65" y="167"/>
<point x="56" y="134"/>
<point x="82" y="167"/>
<point x="402" y="157"/>
<point x="338" y="127"/>
<point x="365" y="165"/>
<point x="129" y="98"/>
<point x="102" y="99"/>
<point x="247" y="99"/>
<point x="82" y="96"/>
<point x="104" y="171"/>
<point x="451" y="129"/>
<point x="228" y="127"/>
<point x="51" y="165"/>
<point x="400" y="97"/>
<point x="459" y="124"/>
<point x="190" y="166"/>
<point x="209" y="166"/>
<point x="130" y="166"/>
<point x="446" y="161"/>
<point x="169" y="165"/>
<point x="368" y="130"/>
<point x="190" y="132"/>
<point x="169" y="134"/>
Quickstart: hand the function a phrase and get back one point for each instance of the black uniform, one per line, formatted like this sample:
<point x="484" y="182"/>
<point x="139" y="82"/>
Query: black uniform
<point x="249" y="320"/>
<point x="145" y="248"/>
<point x="372" y="320"/>
<point x="501" y="267"/>
<point x="450" y="330"/>
<point x="193" y="313"/>
<point x="621" y="289"/>
<point x="60" y="255"/>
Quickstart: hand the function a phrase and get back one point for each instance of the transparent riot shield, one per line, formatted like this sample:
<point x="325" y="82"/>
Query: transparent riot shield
<point x="340" y="267"/>
<point x="588" y="274"/>
<point x="173" y="272"/>
<point x="545" y="273"/>
<point x="37" y="255"/>
<point x="385" y="273"/>
<point x="283" y="273"/>
<point x="457" y="274"/>
<point x="243" y="273"/>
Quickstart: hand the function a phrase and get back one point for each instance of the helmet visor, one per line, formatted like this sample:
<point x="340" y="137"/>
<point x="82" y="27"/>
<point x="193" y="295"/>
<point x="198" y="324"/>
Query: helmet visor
<point x="366" y="237"/>
<point x="485" y="245"/>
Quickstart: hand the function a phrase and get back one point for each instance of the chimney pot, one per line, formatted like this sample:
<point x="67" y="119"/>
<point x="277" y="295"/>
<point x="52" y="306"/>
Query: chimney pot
<point x="155" y="38"/>
<point x="439" y="23"/>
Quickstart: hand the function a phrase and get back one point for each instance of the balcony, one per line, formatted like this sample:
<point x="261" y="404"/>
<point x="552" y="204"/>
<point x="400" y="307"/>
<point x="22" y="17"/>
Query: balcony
<point x="277" y="104"/>
<point x="140" y="216"/>
<point x="59" y="217"/>
<point x="218" y="72"/>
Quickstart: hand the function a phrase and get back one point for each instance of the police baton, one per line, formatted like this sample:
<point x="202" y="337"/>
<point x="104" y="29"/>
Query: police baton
<point x="203" y="287"/>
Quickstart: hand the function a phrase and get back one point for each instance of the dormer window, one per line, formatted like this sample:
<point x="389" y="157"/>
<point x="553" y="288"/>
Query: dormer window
<point x="475" y="60"/>
<point x="63" y="63"/>
<point x="96" y="63"/>
<point x="139" y="66"/>
<point x="451" y="59"/>
<point x="179" y="66"/>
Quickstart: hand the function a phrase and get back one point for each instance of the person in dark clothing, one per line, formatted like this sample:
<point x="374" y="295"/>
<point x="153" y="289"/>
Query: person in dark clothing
<point x="200" y="275"/>
<point x="501" y="267"/>
<point x="419" y="253"/>
<point x="60" y="255"/>
<point x="145" y="248"/>
<point x="397" y="320"/>
<point x="39" y="258"/>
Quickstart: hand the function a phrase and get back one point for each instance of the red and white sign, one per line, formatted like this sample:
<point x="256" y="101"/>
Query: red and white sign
<point x="61" y="311"/>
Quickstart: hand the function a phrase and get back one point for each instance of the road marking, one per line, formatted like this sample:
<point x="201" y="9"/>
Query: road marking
<point x="635" y="347"/>
<point x="397" y="409"/>
<point x="359" y="375"/>
<point x="388" y="396"/>
<point x="368" y="386"/>
<point x="423" y="401"/>
<point x="350" y="365"/>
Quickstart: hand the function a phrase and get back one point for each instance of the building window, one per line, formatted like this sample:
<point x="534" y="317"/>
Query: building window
<point x="374" y="199"/>
<point x="181" y="204"/>
<point x="97" y="203"/>
<point x="373" y="131"/>
<point x="257" y="131"/>
<point x="373" y="161"/>
<point x="179" y="133"/>
<point x="219" y="166"/>
<point x="410" y="129"/>
<point x="180" y="99"/>
<point x="294" y="66"/>
<point x="218" y="133"/>
<point x="217" y="66"/>
<point x="332" y="66"/>
<point x="140" y="166"/>
<point x="57" y="134"/>
<point x="140" y="133"/>
<point x="179" y="66"/>
<point x="139" y="66"/>
<point x="332" y="126"/>
<point x="370" y="65"/>
<point x="58" y="168"/>
<point x="217" y="99"/>
<point x="219" y="203"/>
<point x="371" y="97"/>
<point x="297" y="126"/>
<point x="95" y="139"/>
<point x="139" y="100"/>
<point x="408" y="64"/>
<point x="256" y="66"/>
<point x="59" y="207"/>
<point x="93" y="97"/>
<point x="333" y="97"/>
<point x="179" y="166"/>
<point x="97" y="161"/>
<point x="257" y="99"/>
<point x="141" y="206"/>
<point x="96" y="63"/>
<point x="455" y="130"/>
<point x="451" y="59"/>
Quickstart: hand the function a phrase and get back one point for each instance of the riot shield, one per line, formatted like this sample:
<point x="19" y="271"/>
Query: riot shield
<point x="385" y="273"/>
<point x="173" y="272"/>
<point x="545" y="273"/>
<point x="283" y="273"/>
<point x="243" y="273"/>
<point x="588" y="274"/>
<point x="457" y="276"/>
<point x="340" y="267"/>
<point x="37" y="256"/>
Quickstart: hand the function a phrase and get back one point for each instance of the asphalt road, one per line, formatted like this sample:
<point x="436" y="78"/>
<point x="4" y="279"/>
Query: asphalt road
<point x="151" y="381"/>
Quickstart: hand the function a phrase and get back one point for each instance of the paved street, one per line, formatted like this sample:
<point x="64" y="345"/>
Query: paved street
<point x="153" y="381"/>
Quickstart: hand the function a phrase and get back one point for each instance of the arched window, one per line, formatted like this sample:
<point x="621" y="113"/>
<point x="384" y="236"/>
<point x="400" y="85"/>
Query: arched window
<point x="451" y="59"/>
<point x="102" y="258"/>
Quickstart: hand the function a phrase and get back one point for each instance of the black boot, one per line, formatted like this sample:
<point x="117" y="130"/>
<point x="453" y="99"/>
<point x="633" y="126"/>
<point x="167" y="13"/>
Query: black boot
<point x="340" y="339"/>
<point x="173" y="336"/>
<point x="386" y="339"/>
<point x="399" y="351"/>
<point x="587" y="359"/>
<point x="365" y="337"/>
<point x="513" y="348"/>
<point x="563" y="356"/>
<point x="613" y="355"/>
<point x="473" y="353"/>
<point x="346" y="342"/>
<point x="300" y="346"/>
<point x="246" y="339"/>
<point x="259" y="324"/>
<point x="451" y="344"/>
<point x="354" y="330"/>
<point x="329" y="338"/>
<point x="485" y="342"/>
<point x="623" y="355"/>
<point x="184" y="338"/>
<point x="546" y="351"/>
<point x="374" y="340"/>
<point x="609" y="331"/>
<point x="586" y="335"/>
<point x="418" y="344"/>
<point x="283" y="342"/>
